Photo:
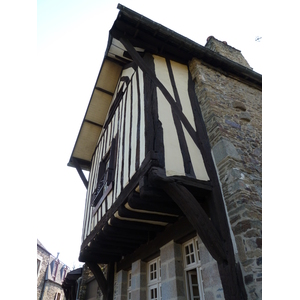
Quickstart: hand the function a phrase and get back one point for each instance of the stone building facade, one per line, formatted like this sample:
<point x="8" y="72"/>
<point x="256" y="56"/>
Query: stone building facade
<point x="232" y="112"/>
<point x="50" y="274"/>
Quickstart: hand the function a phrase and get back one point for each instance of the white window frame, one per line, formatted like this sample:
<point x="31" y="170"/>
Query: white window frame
<point x="56" y="296"/>
<point x="40" y="258"/>
<point x="129" y="280"/>
<point x="154" y="282"/>
<point x="192" y="263"/>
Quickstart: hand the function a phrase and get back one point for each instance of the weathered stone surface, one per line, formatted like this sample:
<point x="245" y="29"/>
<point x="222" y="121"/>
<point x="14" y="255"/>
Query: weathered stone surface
<point x="225" y="50"/>
<point x="231" y="111"/>
<point x="245" y="116"/>
<point x="50" y="275"/>
<point x="224" y="149"/>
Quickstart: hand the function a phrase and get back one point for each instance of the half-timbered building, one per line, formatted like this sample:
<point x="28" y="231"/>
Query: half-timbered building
<point x="155" y="212"/>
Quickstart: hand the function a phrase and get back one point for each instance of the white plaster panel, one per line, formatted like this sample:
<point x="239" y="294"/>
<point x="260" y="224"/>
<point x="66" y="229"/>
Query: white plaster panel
<point x="173" y="157"/>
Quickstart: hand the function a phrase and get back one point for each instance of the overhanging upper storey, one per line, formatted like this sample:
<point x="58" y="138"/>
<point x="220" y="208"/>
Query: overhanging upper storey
<point x="145" y="36"/>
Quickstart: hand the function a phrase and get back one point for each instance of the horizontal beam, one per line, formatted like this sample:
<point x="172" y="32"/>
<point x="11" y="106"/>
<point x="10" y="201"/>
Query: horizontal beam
<point x="104" y="91"/>
<point x="173" y="232"/>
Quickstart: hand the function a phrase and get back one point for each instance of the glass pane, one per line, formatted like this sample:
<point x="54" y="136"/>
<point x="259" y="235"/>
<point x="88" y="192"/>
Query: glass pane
<point x="194" y="279"/>
<point x="187" y="250"/>
<point x="193" y="285"/>
<point x="195" y="291"/>
<point x="153" y="294"/>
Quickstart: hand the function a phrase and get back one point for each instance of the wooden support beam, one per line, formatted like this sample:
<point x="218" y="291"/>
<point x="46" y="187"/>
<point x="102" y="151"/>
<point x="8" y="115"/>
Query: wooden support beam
<point x="198" y="218"/>
<point x="110" y="280"/>
<point x="99" y="276"/>
<point x="173" y="232"/>
<point x="79" y="170"/>
<point x="218" y="245"/>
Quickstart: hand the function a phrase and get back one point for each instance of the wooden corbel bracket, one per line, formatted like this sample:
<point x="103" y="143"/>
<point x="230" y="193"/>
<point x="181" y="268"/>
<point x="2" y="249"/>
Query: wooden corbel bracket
<point x="192" y="210"/>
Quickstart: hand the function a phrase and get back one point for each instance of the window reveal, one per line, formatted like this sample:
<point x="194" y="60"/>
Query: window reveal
<point x="154" y="280"/>
<point x="192" y="268"/>
<point x="38" y="265"/>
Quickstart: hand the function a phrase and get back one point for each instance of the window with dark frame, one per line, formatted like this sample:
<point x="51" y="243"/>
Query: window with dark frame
<point x="105" y="175"/>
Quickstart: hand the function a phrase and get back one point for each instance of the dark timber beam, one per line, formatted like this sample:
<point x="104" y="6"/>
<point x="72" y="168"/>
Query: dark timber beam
<point x="218" y="245"/>
<point x="79" y="170"/>
<point x="101" y="280"/>
<point x="110" y="281"/>
<point x="144" y="67"/>
<point x="104" y="91"/>
<point x="173" y="232"/>
<point x="194" y="212"/>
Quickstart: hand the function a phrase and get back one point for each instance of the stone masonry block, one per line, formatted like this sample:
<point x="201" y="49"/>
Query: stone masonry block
<point x="170" y="251"/>
<point x="223" y="149"/>
<point x="173" y="289"/>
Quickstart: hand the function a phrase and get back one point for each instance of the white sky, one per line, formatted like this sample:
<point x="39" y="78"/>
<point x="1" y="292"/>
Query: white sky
<point x="46" y="95"/>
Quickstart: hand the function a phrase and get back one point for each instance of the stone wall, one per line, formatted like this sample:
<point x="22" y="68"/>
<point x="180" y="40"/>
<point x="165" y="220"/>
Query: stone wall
<point x="232" y="113"/>
<point x="51" y="288"/>
<point x="212" y="284"/>
<point x="225" y="50"/>
<point x="47" y="287"/>
<point x="45" y="258"/>
<point x="87" y="276"/>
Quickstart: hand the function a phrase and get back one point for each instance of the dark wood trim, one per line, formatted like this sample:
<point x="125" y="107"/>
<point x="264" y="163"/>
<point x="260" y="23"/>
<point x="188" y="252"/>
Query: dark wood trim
<point x="173" y="232"/>
<point x="149" y="161"/>
<point x="79" y="170"/>
<point x="115" y="105"/>
<point x="107" y="191"/>
<point x="104" y="91"/>
<point x="188" y="181"/>
<point x="92" y="257"/>
<point x="115" y="222"/>
<point x="93" y="123"/>
<point x="132" y="65"/>
<point x="138" y="129"/>
<point x="154" y="129"/>
<point x="143" y="65"/>
<point x="124" y="101"/>
<point x="131" y="87"/>
<point x="188" y="167"/>
<point x="99" y="276"/>
<point x="149" y="122"/>
<point x="110" y="280"/>
<point x="196" y="215"/>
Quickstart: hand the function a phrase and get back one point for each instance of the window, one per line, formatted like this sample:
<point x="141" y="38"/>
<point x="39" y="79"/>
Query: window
<point x="38" y="266"/>
<point x="192" y="268"/>
<point x="129" y="286"/>
<point x="154" y="279"/>
<point x="57" y="296"/>
<point x="105" y="176"/>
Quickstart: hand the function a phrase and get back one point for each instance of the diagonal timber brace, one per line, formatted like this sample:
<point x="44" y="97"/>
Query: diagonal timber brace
<point x="195" y="213"/>
<point x="105" y="285"/>
<point x="79" y="170"/>
<point x="217" y="245"/>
